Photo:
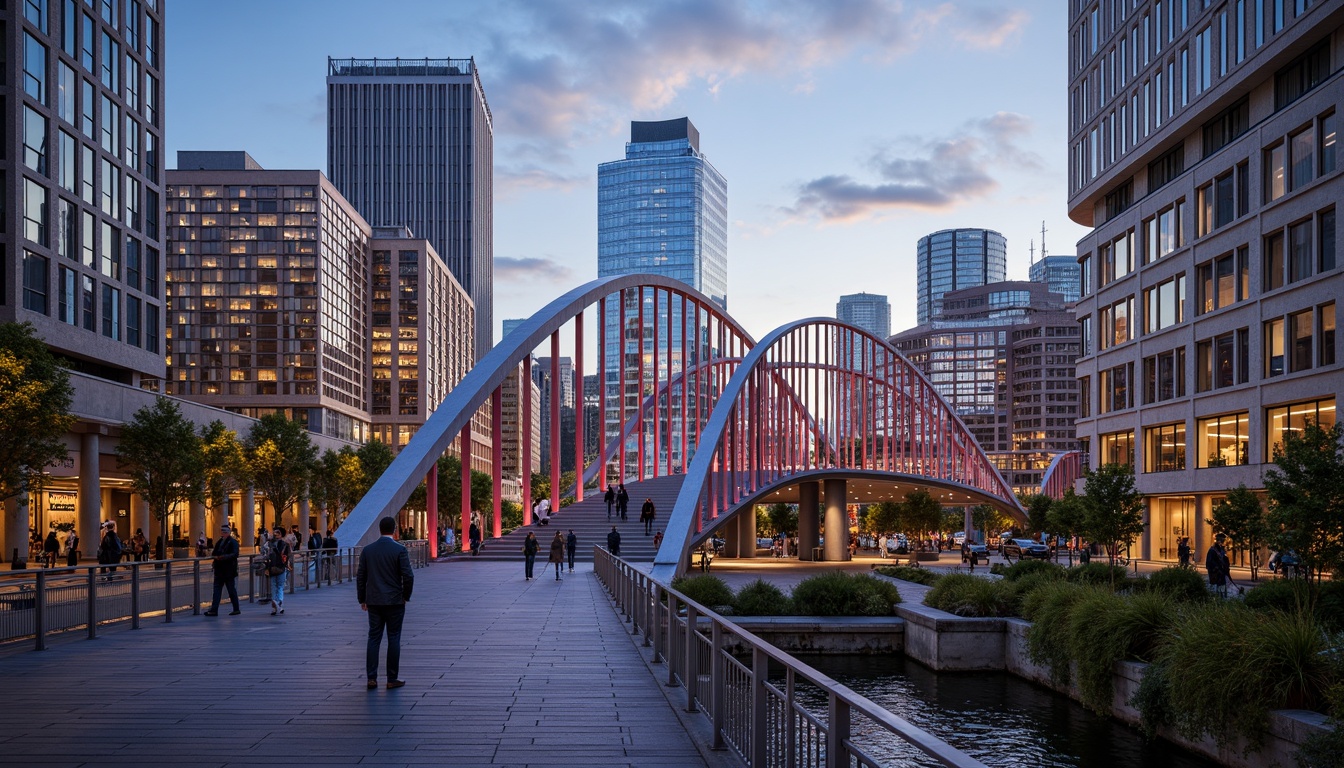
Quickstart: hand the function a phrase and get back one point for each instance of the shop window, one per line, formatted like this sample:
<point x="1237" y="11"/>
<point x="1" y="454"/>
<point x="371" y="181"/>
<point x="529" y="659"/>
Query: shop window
<point x="1223" y="441"/>
<point x="1164" y="448"/>
<point x="1280" y="421"/>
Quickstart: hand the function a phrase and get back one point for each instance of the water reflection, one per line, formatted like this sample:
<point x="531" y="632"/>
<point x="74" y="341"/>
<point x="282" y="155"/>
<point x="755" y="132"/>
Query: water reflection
<point x="995" y="717"/>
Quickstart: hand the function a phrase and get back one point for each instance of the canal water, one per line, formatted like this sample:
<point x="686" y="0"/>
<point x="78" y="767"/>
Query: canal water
<point x="997" y="718"/>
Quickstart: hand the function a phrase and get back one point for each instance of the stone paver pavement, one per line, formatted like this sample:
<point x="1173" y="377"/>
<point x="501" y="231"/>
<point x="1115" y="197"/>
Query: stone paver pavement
<point x="499" y="672"/>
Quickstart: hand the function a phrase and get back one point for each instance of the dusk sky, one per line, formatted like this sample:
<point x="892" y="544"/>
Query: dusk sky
<point x="847" y="129"/>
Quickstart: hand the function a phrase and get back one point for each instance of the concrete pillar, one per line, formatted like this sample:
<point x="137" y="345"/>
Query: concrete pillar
<point x="16" y="528"/>
<point x="249" y="519"/>
<point x="746" y="533"/>
<point x="196" y="523"/>
<point x="90" y="499"/>
<point x="305" y="510"/>
<point x="140" y="516"/>
<point x="967" y="524"/>
<point x="1145" y="548"/>
<point x="323" y="520"/>
<point x="731" y="537"/>
<point x="809" y="495"/>
<point x="837" y="522"/>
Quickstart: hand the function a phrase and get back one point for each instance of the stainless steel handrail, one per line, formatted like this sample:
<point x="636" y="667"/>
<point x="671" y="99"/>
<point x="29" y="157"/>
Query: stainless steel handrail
<point x="39" y="603"/>
<point x="764" y="724"/>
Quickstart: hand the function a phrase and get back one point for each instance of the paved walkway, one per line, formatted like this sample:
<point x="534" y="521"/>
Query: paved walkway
<point x="498" y="672"/>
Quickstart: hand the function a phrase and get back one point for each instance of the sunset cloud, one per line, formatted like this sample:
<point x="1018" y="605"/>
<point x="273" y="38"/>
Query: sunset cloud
<point x="522" y="269"/>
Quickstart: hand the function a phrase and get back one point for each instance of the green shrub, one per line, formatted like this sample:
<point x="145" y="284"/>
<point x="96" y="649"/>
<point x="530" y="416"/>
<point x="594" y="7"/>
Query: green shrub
<point x="1283" y="595"/>
<point x="917" y="575"/>
<point x="709" y="591"/>
<point x="1330" y="606"/>
<point x="1153" y="699"/>
<point x="1184" y="584"/>
<point x="1025" y="585"/>
<point x="1106" y="627"/>
<point x="1023" y="568"/>
<point x="761" y="598"/>
<point x="967" y="595"/>
<point x="1098" y="573"/>
<point x="1236" y="664"/>
<point x="1049" y="641"/>
<point x="842" y="594"/>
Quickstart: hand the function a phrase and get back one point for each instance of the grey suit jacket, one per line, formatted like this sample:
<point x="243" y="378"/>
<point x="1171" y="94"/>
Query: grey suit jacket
<point x="384" y="576"/>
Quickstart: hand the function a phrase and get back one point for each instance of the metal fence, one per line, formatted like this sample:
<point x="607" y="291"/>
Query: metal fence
<point x="44" y="602"/>
<point x="726" y="673"/>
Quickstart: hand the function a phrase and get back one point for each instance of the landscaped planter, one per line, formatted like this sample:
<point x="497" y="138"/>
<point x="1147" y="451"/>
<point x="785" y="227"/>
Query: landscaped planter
<point x="949" y="643"/>
<point x="828" y="634"/>
<point x="926" y="557"/>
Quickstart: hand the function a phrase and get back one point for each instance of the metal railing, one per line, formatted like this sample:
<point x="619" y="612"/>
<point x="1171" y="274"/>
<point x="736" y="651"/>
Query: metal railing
<point x="726" y="672"/>
<point x="48" y="601"/>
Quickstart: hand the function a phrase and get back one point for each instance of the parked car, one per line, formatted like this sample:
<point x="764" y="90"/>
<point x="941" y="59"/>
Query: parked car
<point x="1023" y="548"/>
<point x="978" y="553"/>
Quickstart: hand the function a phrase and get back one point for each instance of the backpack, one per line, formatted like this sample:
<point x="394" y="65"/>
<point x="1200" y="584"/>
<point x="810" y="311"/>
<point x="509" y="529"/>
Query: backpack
<point x="277" y="560"/>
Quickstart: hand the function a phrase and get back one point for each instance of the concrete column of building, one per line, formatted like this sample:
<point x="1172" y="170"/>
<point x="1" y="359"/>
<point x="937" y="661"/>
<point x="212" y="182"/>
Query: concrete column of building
<point x="729" y="532"/>
<point x="305" y="511"/>
<point x="837" y="522"/>
<point x="90" y="501"/>
<point x="809" y="496"/>
<point x="1202" y="535"/>
<point x="1144" y="548"/>
<point x="16" y="529"/>
<point x="324" y="519"/>
<point x="746" y="533"/>
<point x="967" y="525"/>
<point x="196" y="523"/>
<point x="248" y="537"/>
<point x="140" y="515"/>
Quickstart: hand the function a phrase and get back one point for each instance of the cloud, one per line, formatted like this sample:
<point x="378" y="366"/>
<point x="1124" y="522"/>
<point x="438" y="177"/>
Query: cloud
<point x="987" y="28"/>
<point x="921" y="174"/>
<point x="512" y="181"/>
<point x="508" y="268"/>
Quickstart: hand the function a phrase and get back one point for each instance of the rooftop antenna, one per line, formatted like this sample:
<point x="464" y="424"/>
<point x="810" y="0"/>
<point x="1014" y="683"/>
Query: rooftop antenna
<point x="1042" y="238"/>
<point x="1031" y="249"/>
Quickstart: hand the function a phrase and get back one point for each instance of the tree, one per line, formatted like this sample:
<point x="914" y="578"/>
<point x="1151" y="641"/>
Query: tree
<point x="281" y="457"/>
<point x="783" y="518"/>
<point x="1065" y="517"/>
<point x="921" y="513"/>
<point x="450" y="491"/>
<point x="1306" y="498"/>
<point x="160" y="450"/>
<point x="1112" y="508"/>
<point x="1243" y="520"/>
<point x="224" y="467"/>
<point x="986" y="518"/>
<point x="35" y="396"/>
<point x="337" y="483"/>
<point x="374" y="458"/>
<point x="1037" y="506"/>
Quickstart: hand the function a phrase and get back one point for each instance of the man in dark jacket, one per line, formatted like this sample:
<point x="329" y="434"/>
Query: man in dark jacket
<point x="109" y="547"/>
<point x="646" y="515"/>
<point x="571" y="544"/>
<point x="1218" y="566"/>
<point x="610" y="498"/>
<point x="614" y="541"/>
<point x="383" y="585"/>
<point x="225" y="565"/>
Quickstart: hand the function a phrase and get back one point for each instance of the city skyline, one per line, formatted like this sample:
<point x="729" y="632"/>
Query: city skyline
<point x="873" y="175"/>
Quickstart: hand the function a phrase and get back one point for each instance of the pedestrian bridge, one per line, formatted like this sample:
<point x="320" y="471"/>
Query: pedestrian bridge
<point x="815" y="410"/>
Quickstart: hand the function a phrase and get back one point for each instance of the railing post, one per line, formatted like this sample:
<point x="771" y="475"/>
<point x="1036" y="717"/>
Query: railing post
<point x="649" y="612"/>
<point x="760" y="703"/>
<point x="92" y="595"/>
<point x="196" y="588"/>
<point x="718" y="688"/>
<point x="168" y="592"/>
<point x="40" y="611"/>
<point x="659" y="649"/>
<point x="790" y="724"/>
<point x="690" y="674"/>
<point x="671" y="642"/>
<point x="837" y="731"/>
<point x="135" y="596"/>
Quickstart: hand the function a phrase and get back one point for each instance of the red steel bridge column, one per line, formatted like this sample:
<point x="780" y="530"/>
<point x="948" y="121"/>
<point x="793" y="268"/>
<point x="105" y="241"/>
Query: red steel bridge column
<point x="555" y="422"/>
<point x="497" y="458"/>
<point x="602" y="394"/>
<point x="465" y="453"/>
<point x="432" y="508"/>
<point x="578" y="408"/>
<point x="654" y="420"/>
<point x="526" y="441"/>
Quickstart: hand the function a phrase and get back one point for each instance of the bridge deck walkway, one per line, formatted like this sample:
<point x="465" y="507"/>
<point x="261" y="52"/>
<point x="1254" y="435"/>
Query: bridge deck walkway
<point x="498" y="671"/>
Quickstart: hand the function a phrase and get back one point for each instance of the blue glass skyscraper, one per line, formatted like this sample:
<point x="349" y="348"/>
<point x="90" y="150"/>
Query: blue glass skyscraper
<point x="953" y="259"/>
<point x="662" y="210"/>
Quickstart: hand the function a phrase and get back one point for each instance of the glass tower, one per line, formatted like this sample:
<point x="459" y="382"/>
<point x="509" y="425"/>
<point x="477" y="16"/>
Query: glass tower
<point x="1060" y="273"/>
<point x="869" y="311"/>
<point x="410" y="142"/>
<point x="662" y="210"/>
<point x="954" y="259"/>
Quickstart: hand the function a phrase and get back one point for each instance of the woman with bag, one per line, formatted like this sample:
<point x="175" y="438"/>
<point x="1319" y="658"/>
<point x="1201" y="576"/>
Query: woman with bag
<point x="557" y="555"/>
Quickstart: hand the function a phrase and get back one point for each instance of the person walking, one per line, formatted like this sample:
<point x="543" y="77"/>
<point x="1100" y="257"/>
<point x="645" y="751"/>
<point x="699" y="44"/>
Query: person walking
<point x="530" y="547"/>
<point x="278" y="563"/>
<point x="614" y="542"/>
<point x="647" y="513"/>
<point x="383" y="586"/>
<point x="51" y="546"/>
<point x="474" y="534"/>
<point x="557" y="555"/>
<point x="622" y="500"/>
<point x="1183" y="552"/>
<point x="610" y="498"/>
<point x="72" y="548"/>
<point x="571" y="545"/>
<point x="657" y="540"/>
<point x="329" y="547"/>
<point x="109" y="548"/>
<point x="224" y="562"/>
<point x="882" y="546"/>
<point x="1218" y="566"/>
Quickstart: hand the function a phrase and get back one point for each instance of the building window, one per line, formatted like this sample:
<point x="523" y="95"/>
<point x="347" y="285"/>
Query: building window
<point x="86" y="302"/>
<point x="34" y="140"/>
<point x="1327" y="259"/>
<point x="1276" y="160"/>
<point x="1283" y="420"/>
<point x="111" y="312"/>
<point x="1222" y="361"/>
<point x="1164" y="448"/>
<point x="35" y="212"/>
<point x="1326" y="335"/>
<point x="1216" y="203"/>
<point x="1223" y="441"/>
<point x="1327" y="143"/>
<point x="1165" y="168"/>
<point x="1117" y="323"/>
<point x="1300" y="256"/>
<point x="34" y="69"/>
<point x="133" y="321"/>
<point x="1116" y="393"/>
<point x="1164" y="376"/>
<point x="1299" y="340"/>
<point x="1117" y="258"/>
<point x="1085" y="336"/>
<point x="34" y="282"/>
<point x="1164" y="232"/>
<point x="1302" y="74"/>
<point x="1085" y="276"/>
<point x="1274" y="267"/>
<point x="1084" y="397"/>
<point x="67" y="307"/>
<point x="1118" y="448"/>
<point x="1227" y="125"/>
<point x="1165" y="304"/>
<point x="1203" y="59"/>
<point x="1121" y="198"/>
<point x="1274" y="348"/>
<point x="1223" y="281"/>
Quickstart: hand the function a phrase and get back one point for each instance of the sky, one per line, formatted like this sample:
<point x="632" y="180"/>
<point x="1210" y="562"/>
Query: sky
<point x="847" y="129"/>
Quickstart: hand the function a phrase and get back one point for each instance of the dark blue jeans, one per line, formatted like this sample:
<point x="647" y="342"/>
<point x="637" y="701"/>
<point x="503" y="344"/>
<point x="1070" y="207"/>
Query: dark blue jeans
<point x="380" y="616"/>
<point x="529" y="561"/>
<point x="220" y="584"/>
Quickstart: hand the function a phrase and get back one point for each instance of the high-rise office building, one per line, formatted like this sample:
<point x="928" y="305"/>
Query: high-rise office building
<point x="1203" y="152"/>
<point x="1059" y="273"/>
<point x="869" y="311"/>
<point x="513" y="420"/>
<point x="953" y="259"/>
<point x="509" y="324"/>
<point x="662" y="210"/>
<point x="1002" y="356"/>
<point x="410" y="142"/>
<point x="541" y="374"/>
